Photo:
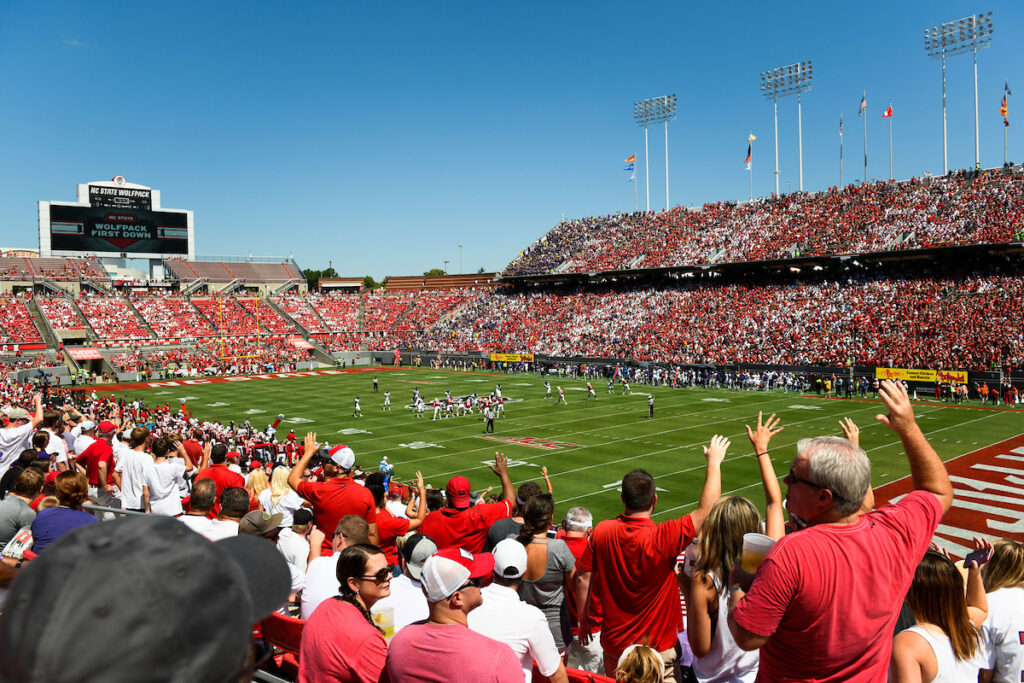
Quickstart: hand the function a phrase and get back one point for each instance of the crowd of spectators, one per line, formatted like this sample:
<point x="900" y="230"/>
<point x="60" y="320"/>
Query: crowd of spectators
<point x="268" y="318"/>
<point x="298" y="307"/>
<point x="945" y="318"/>
<point x="111" y="317"/>
<point x="227" y="315"/>
<point x="16" y="324"/>
<point x="382" y="310"/>
<point x="339" y="311"/>
<point x="18" y="268"/>
<point x="956" y="209"/>
<point x="60" y="313"/>
<point x="445" y="579"/>
<point x="228" y="356"/>
<point x="172" y="317"/>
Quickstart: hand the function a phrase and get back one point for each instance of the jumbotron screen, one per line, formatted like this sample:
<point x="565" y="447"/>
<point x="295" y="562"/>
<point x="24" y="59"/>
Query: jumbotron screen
<point x="126" y="230"/>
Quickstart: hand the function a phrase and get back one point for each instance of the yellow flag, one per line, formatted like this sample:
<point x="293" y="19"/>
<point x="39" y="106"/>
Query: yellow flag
<point x="751" y="137"/>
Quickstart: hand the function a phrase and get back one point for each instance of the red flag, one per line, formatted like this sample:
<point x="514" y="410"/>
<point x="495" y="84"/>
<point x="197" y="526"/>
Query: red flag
<point x="887" y="113"/>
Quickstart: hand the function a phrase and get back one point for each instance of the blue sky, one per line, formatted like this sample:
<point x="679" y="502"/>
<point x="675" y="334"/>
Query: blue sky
<point x="380" y="136"/>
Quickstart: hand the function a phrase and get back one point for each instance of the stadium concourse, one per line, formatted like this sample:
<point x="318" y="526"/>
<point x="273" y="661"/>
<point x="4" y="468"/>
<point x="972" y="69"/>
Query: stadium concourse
<point x="919" y="280"/>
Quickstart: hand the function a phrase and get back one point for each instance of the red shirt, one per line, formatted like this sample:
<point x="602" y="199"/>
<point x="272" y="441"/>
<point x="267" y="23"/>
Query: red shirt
<point x="390" y="528"/>
<point x="194" y="450"/>
<point x="97" y="452"/>
<point x="577" y="546"/>
<point x="223" y="478"/>
<point x="633" y="563"/>
<point x="340" y="645"/>
<point x="829" y="596"/>
<point x="334" y="499"/>
<point x="466" y="528"/>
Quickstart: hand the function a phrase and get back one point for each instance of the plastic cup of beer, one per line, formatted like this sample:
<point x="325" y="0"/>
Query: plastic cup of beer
<point x="384" y="618"/>
<point x="755" y="547"/>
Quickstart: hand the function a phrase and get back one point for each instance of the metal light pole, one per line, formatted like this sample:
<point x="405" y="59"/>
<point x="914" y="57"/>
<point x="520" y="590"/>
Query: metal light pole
<point x="969" y="34"/>
<point x="780" y="82"/>
<point x="460" y="259"/>
<point x="446" y="267"/>
<point x="646" y="112"/>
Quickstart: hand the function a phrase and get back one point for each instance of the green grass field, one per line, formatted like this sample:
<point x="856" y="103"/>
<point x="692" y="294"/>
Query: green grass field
<point x="611" y="435"/>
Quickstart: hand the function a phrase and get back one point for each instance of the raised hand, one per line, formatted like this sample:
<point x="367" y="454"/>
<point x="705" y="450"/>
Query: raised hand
<point x="901" y="412"/>
<point x="715" y="451"/>
<point x="850" y="431"/>
<point x="766" y="429"/>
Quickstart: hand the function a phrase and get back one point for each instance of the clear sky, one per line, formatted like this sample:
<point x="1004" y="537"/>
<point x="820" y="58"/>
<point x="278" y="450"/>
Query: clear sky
<point x="380" y="136"/>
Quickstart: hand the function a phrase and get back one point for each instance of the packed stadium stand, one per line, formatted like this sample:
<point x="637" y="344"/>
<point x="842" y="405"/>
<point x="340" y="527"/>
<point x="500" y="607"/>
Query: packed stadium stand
<point x="112" y="318"/>
<point x="299" y="309"/>
<point x="339" y="311"/>
<point x="227" y="315"/>
<point x="269" y="319"/>
<point x="960" y="209"/>
<point x="60" y="313"/>
<point x="171" y="316"/>
<point x="16" y="324"/>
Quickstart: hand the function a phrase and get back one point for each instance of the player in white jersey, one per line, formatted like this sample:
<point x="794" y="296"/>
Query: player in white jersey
<point x="611" y="385"/>
<point x="419" y="406"/>
<point x="357" y="412"/>
<point x="591" y="394"/>
<point x="625" y="388"/>
<point x="561" y="397"/>
<point x="387" y="400"/>
<point x="497" y="391"/>
<point x="547" y="389"/>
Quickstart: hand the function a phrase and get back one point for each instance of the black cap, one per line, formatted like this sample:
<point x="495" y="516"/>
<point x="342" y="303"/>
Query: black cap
<point x="142" y="597"/>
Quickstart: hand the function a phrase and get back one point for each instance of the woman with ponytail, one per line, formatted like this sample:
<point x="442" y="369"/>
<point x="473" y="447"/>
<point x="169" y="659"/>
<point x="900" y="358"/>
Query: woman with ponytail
<point x="549" y="565"/>
<point x="945" y="644"/>
<point x="340" y="642"/>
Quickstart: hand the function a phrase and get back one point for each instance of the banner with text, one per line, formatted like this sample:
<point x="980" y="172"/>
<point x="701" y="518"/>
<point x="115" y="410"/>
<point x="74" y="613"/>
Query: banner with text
<point x="917" y="375"/>
<point x="512" y="357"/>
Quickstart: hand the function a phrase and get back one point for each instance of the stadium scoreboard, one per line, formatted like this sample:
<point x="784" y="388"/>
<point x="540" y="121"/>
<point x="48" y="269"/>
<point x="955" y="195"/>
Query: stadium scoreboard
<point x="115" y="219"/>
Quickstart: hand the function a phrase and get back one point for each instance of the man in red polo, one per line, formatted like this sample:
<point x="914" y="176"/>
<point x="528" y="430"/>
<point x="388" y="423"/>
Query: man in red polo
<point x="219" y="472"/>
<point x="463" y="525"/>
<point x="338" y="495"/>
<point x="97" y="462"/>
<point x="629" y="565"/>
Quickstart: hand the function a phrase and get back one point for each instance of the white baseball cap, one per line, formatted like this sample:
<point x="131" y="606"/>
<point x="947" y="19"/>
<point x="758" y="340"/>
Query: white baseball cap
<point x="342" y="456"/>
<point x="446" y="571"/>
<point x="509" y="559"/>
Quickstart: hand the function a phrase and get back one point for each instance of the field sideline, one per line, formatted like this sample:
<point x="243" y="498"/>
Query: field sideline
<point x="589" y="444"/>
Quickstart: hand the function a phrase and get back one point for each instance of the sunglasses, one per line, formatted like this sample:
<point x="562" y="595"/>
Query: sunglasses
<point x="792" y="479"/>
<point x="475" y="583"/>
<point x="381" y="577"/>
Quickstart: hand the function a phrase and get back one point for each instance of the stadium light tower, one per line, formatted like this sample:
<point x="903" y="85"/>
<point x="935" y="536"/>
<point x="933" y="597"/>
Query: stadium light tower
<point x="646" y="112"/>
<point x="780" y="82"/>
<point x="955" y="38"/>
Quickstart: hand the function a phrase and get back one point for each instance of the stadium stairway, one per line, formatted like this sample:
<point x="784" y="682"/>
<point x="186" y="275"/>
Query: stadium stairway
<point x="401" y="316"/>
<point x="42" y="324"/>
<point x="199" y="312"/>
<point x="362" y="316"/>
<point x="141" y="320"/>
<point x="319" y="317"/>
<point x="89" y="332"/>
<point x="281" y="312"/>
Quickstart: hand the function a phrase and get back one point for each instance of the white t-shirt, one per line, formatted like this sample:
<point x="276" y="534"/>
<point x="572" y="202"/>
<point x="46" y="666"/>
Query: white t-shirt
<point x="295" y="548"/>
<point x="408" y="601"/>
<point x="524" y="628"/>
<point x="1003" y="640"/>
<point x="82" y="441"/>
<point x="198" y="523"/>
<point x="221" y="528"/>
<point x="56" y="447"/>
<point x="396" y="508"/>
<point x="286" y="505"/>
<point x="163" y="482"/>
<point x="321" y="583"/>
<point x="136" y="469"/>
<point x="14" y="440"/>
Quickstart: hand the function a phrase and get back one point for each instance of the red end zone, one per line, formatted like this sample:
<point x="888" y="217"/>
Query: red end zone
<point x="988" y="489"/>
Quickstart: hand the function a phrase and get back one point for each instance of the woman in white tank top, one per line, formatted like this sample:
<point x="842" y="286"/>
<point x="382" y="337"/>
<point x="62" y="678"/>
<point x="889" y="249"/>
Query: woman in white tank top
<point x="1004" y="582"/>
<point x="717" y="658"/>
<point x="945" y="645"/>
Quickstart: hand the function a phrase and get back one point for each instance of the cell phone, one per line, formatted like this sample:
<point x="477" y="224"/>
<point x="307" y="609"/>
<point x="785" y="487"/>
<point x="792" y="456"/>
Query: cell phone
<point x="980" y="556"/>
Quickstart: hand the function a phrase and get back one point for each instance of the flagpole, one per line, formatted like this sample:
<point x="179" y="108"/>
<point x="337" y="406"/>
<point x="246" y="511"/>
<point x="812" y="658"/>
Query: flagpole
<point x="840" y="150"/>
<point x="634" y="184"/>
<point x="750" y="168"/>
<point x="891" y="177"/>
<point x="865" y="117"/>
<point x="647" y="171"/>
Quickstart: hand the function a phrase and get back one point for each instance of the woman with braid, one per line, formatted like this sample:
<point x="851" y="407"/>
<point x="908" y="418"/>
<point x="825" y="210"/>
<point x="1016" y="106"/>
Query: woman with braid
<point x="340" y="641"/>
<point x="549" y="565"/>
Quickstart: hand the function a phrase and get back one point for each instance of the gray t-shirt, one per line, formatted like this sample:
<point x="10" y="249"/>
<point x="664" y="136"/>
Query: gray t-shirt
<point x="14" y="514"/>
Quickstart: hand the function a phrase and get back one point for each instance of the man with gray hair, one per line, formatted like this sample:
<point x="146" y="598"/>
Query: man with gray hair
<point x="823" y="603"/>
<point x="576" y="528"/>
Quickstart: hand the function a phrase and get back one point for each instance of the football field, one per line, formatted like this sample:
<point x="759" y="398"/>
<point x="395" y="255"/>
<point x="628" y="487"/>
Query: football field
<point x="586" y="445"/>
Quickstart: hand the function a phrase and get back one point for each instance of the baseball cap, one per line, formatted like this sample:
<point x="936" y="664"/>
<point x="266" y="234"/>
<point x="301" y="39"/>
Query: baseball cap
<point x="342" y="456"/>
<point x="458" y="492"/>
<point x="302" y="517"/>
<point x="447" y="570"/>
<point x="88" y="425"/>
<point x="255" y="464"/>
<point x="106" y="427"/>
<point x="259" y="522"/>
<point x="114" y="579"/>
<point x="51" y="477"/>
<point x="19" y="414"/>
<point x="509" y="558"/>
<point x="416" y="550"/>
